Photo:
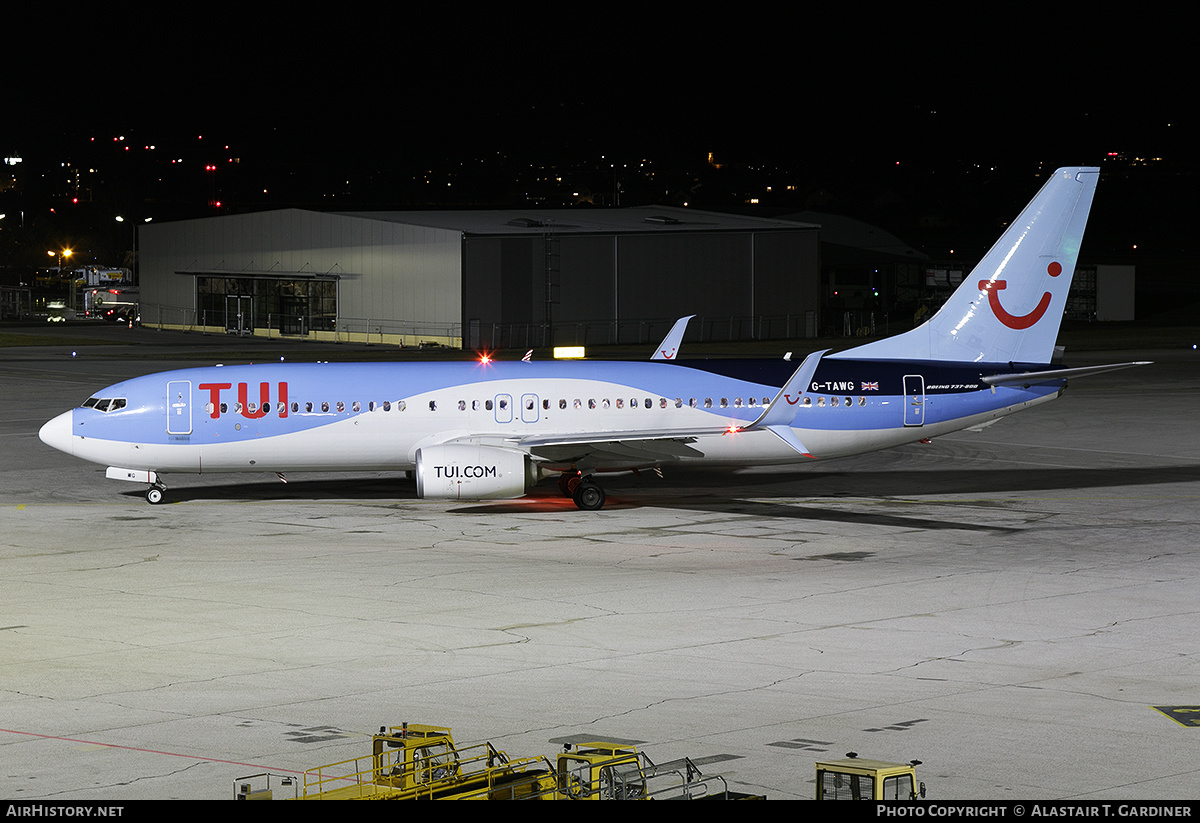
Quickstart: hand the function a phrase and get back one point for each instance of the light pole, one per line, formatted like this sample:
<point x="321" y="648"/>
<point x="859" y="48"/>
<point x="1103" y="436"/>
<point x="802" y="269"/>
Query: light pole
<point x="64" y="257"/>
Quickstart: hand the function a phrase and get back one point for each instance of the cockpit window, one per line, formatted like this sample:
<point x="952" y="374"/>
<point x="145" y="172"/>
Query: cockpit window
<point x="104" y="404"/>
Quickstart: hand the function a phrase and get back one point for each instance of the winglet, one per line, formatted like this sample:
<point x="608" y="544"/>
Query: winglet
<point x="781" y="411"/>
<point x="670" y="344"/>
<point x="778" y="417"/>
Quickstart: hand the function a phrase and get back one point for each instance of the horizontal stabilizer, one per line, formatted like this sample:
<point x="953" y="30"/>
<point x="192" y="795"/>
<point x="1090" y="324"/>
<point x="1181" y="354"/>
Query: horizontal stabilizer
<point x="1029" y="378"/>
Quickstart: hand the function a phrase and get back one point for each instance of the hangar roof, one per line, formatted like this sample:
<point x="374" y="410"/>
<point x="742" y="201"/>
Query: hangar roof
<point x="848" y="231"/>
<point x="581" y="221"/>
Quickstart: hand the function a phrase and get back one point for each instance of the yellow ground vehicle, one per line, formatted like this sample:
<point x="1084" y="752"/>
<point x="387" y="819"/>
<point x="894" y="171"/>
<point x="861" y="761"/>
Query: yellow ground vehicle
<point x="417" y="762"/>
<point x="603" y="771"/>
<point x="855" y="779"/>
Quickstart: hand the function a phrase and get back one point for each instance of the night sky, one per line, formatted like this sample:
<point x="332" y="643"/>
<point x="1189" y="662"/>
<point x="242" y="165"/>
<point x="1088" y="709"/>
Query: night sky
<point x="933" y="133"/>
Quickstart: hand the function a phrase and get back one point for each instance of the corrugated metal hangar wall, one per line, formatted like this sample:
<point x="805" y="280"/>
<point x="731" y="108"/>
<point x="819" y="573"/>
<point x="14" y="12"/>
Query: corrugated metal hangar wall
<point x="483" y="278"/>
<point x="302" y="273"/>
<point x="629" y="288"/>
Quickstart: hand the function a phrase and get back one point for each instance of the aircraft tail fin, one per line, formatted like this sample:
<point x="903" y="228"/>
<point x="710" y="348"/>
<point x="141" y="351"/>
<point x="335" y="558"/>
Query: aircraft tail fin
<point x="1010" y="307"/>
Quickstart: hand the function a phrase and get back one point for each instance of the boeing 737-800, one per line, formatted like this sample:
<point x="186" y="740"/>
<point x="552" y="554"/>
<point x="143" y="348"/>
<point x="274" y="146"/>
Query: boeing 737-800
<point x="484" y="430"/>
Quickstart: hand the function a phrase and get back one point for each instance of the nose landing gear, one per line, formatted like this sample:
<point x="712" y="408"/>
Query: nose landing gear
<point x="154" y="494"/>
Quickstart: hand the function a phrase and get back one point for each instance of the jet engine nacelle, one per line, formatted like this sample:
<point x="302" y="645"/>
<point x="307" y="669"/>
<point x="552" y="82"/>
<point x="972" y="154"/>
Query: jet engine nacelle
<point x="465" y="472"/>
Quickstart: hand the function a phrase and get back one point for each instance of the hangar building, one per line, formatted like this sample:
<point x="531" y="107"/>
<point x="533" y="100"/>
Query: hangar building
<point x="492" y="279"/>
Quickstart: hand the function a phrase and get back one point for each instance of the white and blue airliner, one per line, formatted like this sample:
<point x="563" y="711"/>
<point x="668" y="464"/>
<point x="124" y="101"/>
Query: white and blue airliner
<point x="486" y="430"/>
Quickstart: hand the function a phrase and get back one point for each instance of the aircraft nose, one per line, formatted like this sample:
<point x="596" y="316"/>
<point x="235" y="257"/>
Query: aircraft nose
<point x="57" y="433"/>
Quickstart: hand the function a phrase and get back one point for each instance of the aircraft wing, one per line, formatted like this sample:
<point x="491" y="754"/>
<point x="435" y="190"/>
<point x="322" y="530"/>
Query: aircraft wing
<point x="604" y="449"/>
<point x="616" y="454"/>
<point x="647" y="447"/>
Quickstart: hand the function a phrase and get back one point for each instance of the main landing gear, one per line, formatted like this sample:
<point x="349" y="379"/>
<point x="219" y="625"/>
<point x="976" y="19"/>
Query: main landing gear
<point x="580" y="488"/>
<point x="154" y="494"/>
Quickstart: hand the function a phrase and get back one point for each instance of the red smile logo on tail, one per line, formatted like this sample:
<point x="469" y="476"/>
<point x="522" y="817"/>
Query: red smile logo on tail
<point x="993" y="289"/>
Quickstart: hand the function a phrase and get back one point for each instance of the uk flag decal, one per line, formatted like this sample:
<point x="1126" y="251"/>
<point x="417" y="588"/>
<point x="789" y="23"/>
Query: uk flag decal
<point x="870" y="386"/>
